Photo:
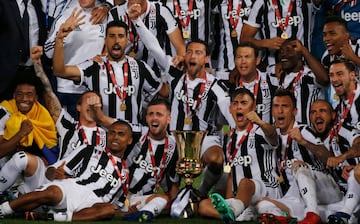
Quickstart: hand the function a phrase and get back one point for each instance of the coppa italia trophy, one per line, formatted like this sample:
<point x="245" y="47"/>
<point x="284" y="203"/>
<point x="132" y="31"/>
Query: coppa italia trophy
<point x="189" y="166"/>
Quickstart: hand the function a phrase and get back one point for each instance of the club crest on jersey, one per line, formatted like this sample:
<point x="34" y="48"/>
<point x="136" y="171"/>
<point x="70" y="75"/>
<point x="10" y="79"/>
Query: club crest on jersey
<point x="102" y="172"/>
<point x="233" y="13"/>
<point x="130" y="90"/>
<point x="241" y="161"/>
<point x="148" y="167"/>
<point x="293" y="21"/>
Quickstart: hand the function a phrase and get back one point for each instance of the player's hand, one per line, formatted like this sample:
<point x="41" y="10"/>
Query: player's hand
<point x="60" y="172"/>
<point x="99" y="14"/>
<point x="346" y="172"/>
<point x="253" y="117"/>
<point x="297" y="136"/>
<point x="36" y="53"/>
<point x="274" y="43"/>
<point x="25" y="128"/>
<point x="75" y="20"/>
<point x="333" y="162"/>
<point x="134" y="11"/>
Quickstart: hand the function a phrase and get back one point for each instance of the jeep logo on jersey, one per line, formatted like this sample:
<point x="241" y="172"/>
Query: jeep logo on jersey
<point x="293" y="21"/>
<point x="350" y="16"/>
<point x="286" y="164"/>
<point x="147" y="166"/>
<point x="111" y="90"/>
<point x="233" y="13"/>
<point x="195" y="14"/>
<point x="185" y="99"/>
<point x="241" y="160"/>
<point x="260" y="108"/>
<point x="102" y="172"/>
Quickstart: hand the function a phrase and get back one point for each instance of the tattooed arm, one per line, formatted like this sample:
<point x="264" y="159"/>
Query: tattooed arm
<point x="52" y="103"/>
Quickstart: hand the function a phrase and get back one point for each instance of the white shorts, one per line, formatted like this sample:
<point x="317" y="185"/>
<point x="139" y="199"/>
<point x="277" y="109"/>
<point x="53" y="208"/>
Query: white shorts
<point x="262" y="191"/>
<point x="141" y="200"/>
<point x="36" y="180"/>
<point x="75" y="197"/>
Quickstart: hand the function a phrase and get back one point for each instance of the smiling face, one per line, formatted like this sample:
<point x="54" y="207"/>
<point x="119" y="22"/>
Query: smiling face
<point x="239" y="106"/>
<point x="334" y="37"/>
<point x="245" y="62"/>
<point x="342" y="80"/>
<point x="119" y="136"/>
<point x="195" y="60"/>
<point x="116" y="41"/>
<point x="284" y="113"/>
<point x="25" y="96"/>
<point x="157" y="118"/>
<point x="321" y="117"/>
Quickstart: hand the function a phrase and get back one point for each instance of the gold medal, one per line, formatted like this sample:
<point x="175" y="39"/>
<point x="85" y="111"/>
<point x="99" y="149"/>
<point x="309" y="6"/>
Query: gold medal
<point x="227" y="168"/>
<point x="284" y="36"/>
<point x="132" y="54"/>
<point x="281" y="179"/>
<point x="122" y="106"/>
<point x="127" y="202"/>
<point x="157" y="187"/>
<point x="233" y="33"/>
<point x="187" y="120"/>
<point x="186" y="34"/>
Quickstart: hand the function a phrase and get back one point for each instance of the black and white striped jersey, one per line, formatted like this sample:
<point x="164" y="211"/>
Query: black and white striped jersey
<point x="141" y="81"/>
<point x="144" y="175"/>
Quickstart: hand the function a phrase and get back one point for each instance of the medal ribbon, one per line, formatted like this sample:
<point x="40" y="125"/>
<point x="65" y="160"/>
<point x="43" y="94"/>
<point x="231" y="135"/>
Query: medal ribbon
<point x="163" y="158"/>
<point x="125" y="186"/>
<point x="178" y="12"/>
<point x="198" y="100"/>
<point x="234" y="21"/>
<point x="133" y="39"/>
<point x="335" y="131"/>
<point x="296" y="80"/>
<point x="256" y="87"/>
<point x="284" y="25"/>
<point x="122" y="95"/>
<point x="83" y="135"/>
<point x="238" y="145"/>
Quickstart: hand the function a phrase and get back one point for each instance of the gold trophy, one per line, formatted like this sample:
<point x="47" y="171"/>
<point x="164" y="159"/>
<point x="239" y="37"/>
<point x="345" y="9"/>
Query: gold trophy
<point x="189" y="166"/>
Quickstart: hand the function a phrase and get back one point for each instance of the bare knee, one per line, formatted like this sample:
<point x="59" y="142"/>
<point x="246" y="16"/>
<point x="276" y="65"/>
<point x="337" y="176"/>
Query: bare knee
<point x="214" y="159"/>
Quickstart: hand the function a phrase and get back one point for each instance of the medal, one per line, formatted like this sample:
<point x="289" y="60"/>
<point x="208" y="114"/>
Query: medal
<point x="187" y="120"/>
<point x="233" y="33"/>
<point x="186" y="34"/>
<point x="132" y="54"/>
<point x="284" y="35"/>
<point x="227" y="168"/>
<point x="122" y="106"/>
<point x="157" y="187"/>
<point x="127" y="202"/>
<point x="281" y="179"/>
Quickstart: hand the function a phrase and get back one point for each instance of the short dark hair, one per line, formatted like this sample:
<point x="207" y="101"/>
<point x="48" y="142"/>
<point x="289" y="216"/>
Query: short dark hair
<point x="160" y="101"/>
<point x="328" y="104"/>
<point x="26" y="75"/>
<point x="123" y="122"/>
<point x="199" y="41"/>
<point x="241" y="91"/>
<point x="350" y="65"/>
<point x="280" y="92"/>
<point x="337" y="19"/>
<point x="116" y="23"/>
<point x="251" y="45"/>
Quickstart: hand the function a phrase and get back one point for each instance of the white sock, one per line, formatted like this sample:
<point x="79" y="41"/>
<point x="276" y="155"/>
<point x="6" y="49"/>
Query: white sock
<point x="268" y="207"/>
<point x="155" y="206"/>
<point x="307" y="188"/>
<point x="6" y="209"/>
<point x="236" y="205"/>
<point x="63" y="216"/>
<point x="12" y="169"/>
<point x="352" y="195"/>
